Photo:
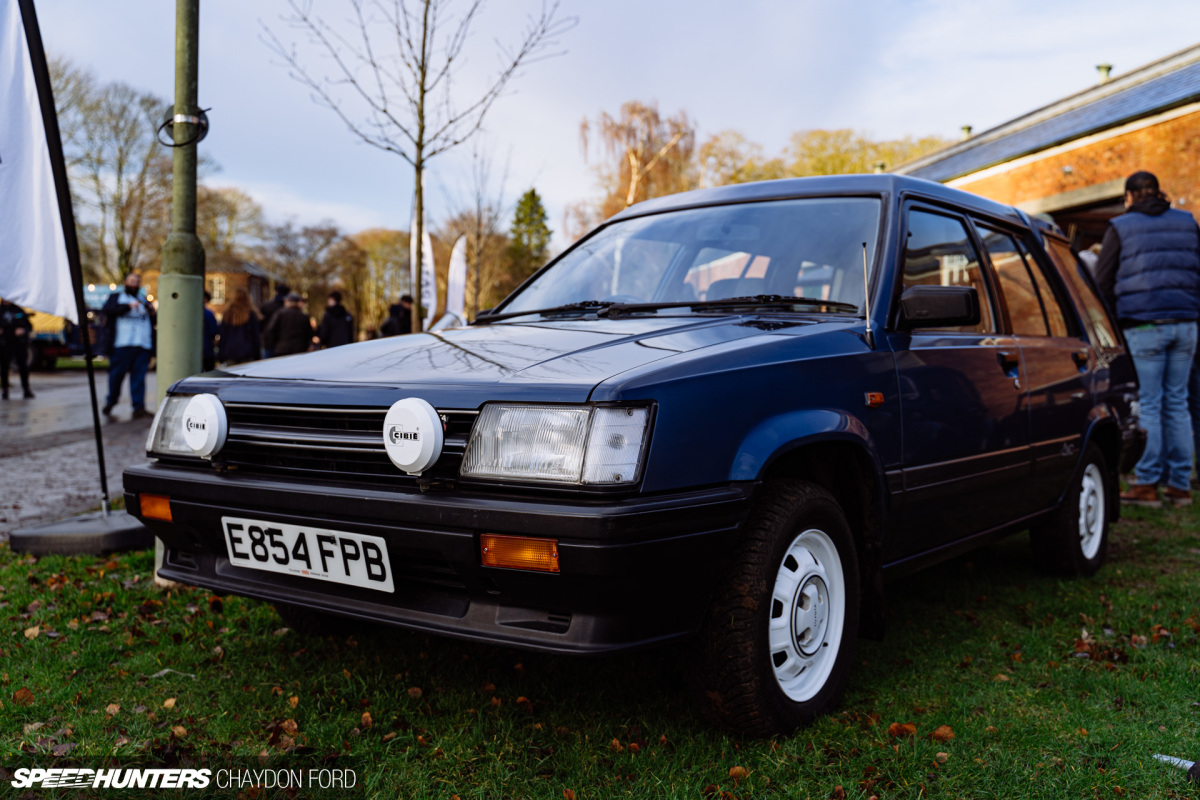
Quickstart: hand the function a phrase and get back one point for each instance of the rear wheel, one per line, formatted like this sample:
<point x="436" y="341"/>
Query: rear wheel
<point x="777" y="645"/>
<point x="1074" y="541"/>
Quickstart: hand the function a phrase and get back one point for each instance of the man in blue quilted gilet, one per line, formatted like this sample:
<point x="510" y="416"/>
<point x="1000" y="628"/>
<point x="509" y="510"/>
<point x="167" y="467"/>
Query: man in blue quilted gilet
<point x="1149" y="270"/>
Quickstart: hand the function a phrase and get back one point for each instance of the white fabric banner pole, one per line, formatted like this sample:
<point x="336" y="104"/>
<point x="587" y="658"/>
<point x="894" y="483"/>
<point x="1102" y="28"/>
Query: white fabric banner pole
<point x="39" y="260"/>
<point x="429" y="294"/>
<point x="456" y="280"/>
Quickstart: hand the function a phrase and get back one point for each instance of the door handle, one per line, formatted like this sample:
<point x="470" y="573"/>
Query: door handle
<point x="1009" y="362"/>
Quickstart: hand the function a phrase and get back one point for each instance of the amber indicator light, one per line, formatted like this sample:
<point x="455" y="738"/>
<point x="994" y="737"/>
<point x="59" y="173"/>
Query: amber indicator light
<point x="518" y="552"/>
<point x="874" y="399"/>
<point x="156" y="506"/>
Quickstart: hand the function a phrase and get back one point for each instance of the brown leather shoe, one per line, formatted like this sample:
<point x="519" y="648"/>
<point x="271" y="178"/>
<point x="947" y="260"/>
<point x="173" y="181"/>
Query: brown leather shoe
<point x="1145" y="494"/>
<point x="1179" y="497"/>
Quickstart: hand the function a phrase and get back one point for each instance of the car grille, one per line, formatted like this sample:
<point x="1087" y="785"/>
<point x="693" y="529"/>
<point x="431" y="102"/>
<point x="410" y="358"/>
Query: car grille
<point x="332" y="443"/>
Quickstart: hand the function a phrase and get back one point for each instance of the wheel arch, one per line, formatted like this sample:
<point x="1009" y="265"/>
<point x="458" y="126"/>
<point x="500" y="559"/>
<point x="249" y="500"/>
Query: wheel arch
<point x="845" y="466"/>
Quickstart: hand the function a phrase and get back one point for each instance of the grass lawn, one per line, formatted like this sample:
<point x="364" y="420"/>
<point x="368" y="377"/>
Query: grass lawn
<point x="1049" y="688"/>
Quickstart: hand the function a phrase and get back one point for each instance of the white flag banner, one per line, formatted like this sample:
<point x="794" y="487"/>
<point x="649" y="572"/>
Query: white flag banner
<point x="456" y="279"/>
<point x="34" y="269"/>
<point x="428" y="279"/>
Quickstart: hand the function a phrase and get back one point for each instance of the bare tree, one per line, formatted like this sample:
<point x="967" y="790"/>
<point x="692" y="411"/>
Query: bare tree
<point x="393" y="76"/>
<point x="478" y="220"/>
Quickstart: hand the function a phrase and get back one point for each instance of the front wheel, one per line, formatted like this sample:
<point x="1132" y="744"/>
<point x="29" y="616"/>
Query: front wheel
<point x="777" y="645"/>
<point x="1074" y="540"/>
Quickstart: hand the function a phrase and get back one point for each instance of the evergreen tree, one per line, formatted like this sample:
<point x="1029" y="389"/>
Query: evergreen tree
<point x="529" y="237"/>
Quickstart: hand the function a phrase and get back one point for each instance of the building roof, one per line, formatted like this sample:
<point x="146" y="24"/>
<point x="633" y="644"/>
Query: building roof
<point x="1152" y="89"/>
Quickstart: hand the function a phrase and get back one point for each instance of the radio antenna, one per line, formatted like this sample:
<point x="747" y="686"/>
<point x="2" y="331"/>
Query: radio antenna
<point x="867" y="299"/>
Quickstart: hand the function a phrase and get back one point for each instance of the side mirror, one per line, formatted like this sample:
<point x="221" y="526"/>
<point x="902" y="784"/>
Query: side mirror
<point x="939" y="306"/>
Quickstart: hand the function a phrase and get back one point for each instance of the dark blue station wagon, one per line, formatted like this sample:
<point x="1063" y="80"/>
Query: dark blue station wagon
<point x="728" y="414"/>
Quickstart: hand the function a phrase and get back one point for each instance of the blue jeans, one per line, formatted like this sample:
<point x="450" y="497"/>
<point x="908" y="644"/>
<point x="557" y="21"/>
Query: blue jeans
<point x="1162" y="355"/>
<point x="132" y="361"/>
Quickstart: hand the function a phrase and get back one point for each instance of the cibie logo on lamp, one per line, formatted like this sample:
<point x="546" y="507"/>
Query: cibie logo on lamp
<point x="412" y="435"/>
<point x="205" y="425"/>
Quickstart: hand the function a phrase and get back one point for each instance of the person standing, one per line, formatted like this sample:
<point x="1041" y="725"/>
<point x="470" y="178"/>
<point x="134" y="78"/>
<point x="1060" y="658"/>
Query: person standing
<point x="399" y="319"/>
<point x="15" y="331"/>
<point x="337" y="326"/>
<point x="290" y="330"/>
<point x="208" y="352"/>
<point x="131" y="342"/>
<point x="271" y="308"/>
<point x="1149" y="271"/>
<point x="239" y="340"/>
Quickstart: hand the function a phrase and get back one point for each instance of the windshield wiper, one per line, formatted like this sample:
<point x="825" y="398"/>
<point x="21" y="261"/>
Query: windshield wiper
<point x="583" y="305"/>
<point x="755" y="301"/>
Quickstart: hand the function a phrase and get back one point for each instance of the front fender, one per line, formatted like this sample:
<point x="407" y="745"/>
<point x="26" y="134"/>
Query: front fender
<point x="778" y="435"/>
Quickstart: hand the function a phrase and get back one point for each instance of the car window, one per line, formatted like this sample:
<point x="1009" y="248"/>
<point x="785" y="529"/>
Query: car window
<point x="808" y="247"/>
<point x="1021" y="296"/>
<point x="939" y="253"/>
<point x="1050" y="301"/>
<point x="1098" y="322"/>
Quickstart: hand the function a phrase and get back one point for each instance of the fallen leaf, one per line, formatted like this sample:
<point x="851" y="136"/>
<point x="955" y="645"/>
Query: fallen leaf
<point x="289" y="727"/>
<point x="415" y="692"/>
<point x="121" y="741"/>
<point x="990" y="729"/>
<point x="390" y="736"/>
<point x="32" y="727"/>
<point x="707" y="790"/>
<point x="496" y="702"/>
<point x="525" y="704"/>
<point x="73" y="625"/>
<point x="169" y="702"/>
<point x="179" y="731"/>
<point x="568" y="794"/>
<point x="615" y="746"/>
<point x="1000" y="676"/>
<point x="942" y="757"/>
<point x="838" y="793"/>
<point x="739" y="773"/>
<point x="942" y="733"/>
<point x="31" y="633"/>
<point x="902" y="730"/>
<point x="633" y="746"/>
<point x="23" y="697"/>
<point x="294" y="701"/>
<point x="282" y="631"/>
<point x="366" y="719"/>
<point x="112" y="709"/>
<point x="489" y="687"/>
<point x="277" y="690"/>
<point x="62" y="749"/>
<point x="286" y="742"/>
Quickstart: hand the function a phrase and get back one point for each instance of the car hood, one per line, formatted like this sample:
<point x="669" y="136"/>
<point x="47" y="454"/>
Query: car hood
<point x="561" y="358"/>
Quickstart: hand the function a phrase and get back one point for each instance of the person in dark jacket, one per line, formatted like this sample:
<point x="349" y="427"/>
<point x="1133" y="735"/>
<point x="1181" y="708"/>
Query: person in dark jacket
<point x="290" y="330"/>
<point x="212" y="328"/>
<point x="239" y="332"/>
<point x="15" y="333"/>
<point x="1149" y="271"/>
<point x="337" y="326"/>
<point x="271" y="308"/>
<point x="399" y="318"/>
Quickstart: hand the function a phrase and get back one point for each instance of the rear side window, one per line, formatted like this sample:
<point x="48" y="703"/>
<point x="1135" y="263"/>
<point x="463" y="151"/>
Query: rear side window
<point x="1021" y="295"/>
<point x="939" y="252"/>
<point x="1096" y="318"/>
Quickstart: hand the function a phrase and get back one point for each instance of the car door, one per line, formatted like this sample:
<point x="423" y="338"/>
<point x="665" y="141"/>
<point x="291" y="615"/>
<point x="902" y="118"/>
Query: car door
<point x="1058" y="361"/>
<point x="966" y="458"/>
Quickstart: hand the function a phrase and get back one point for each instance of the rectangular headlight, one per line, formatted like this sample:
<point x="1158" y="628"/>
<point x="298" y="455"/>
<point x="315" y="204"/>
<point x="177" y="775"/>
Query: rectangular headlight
<point x="557" y="444"/>
<point x="166" y="433"/>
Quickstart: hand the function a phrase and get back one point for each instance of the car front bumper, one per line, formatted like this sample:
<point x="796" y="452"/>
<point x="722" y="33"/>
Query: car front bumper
<point x="633" y="571"/>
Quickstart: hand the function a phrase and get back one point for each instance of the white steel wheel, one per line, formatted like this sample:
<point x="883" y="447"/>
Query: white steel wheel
<point x="775" y="649"/>
<point x="808" y="608"/>
<point x="1092" y="511"/>
<point x="1073" y="540"/>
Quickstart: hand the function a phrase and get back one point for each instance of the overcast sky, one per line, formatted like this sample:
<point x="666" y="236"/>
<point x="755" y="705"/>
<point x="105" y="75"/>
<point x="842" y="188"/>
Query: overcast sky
<point x="765" y="68"/>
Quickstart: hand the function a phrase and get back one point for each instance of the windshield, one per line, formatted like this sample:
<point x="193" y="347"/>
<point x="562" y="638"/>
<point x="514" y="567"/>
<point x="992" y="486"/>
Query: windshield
<point x="811" y="248"/>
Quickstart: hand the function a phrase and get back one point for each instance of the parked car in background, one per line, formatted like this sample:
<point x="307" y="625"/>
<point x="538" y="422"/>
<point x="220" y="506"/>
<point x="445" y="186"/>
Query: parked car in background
<point x="727" y="414"/>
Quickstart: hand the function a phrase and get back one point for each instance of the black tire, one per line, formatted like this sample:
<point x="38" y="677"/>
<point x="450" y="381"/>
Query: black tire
<point x="307" y="622"/>
<point x="738" y="672"/>
<point x="1074" y="540"/>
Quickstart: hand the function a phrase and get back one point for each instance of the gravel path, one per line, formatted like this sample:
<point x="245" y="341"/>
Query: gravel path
<point x="48" y="467"/>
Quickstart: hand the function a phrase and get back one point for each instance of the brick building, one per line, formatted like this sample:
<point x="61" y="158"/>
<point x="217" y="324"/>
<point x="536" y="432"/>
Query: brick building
<point x="1070" y="159"/>
<point x="222" y="279"/>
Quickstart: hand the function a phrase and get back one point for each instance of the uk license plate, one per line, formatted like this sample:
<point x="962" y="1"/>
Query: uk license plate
<point x="324" y="555"/>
